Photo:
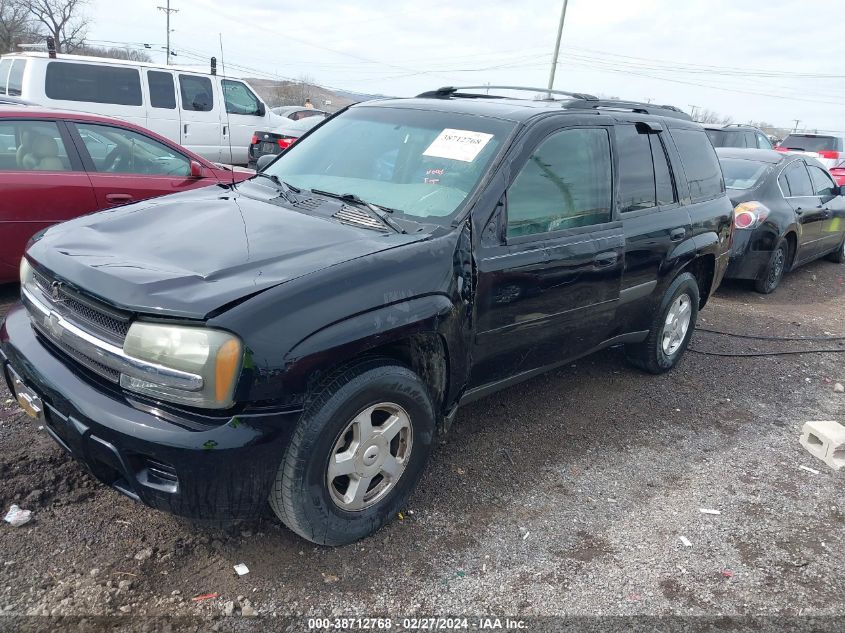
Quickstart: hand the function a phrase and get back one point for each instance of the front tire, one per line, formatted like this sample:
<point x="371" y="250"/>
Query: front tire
<point x="356" y="454"/>
<point x="670" y="330"/>
<point x="773" y="273"/>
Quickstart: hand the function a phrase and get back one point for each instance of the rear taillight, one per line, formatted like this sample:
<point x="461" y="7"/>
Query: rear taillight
<point x="750" y="215"/>
<point x="781" y="149"/>
<point x="829" y="154"/>
<point x="286" y="142"/>
<point x="254" y="140"/>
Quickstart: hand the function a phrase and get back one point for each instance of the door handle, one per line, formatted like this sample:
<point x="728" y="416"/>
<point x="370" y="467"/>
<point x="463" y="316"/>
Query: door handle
<point x="185" y="129"/>
<point x="117" y="198"/>
<point x="603" y="260"/>
<point x="225" y="130"/>
<point x="677" y="235"/>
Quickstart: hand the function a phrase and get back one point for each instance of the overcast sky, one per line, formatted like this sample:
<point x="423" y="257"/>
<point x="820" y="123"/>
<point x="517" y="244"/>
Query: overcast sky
<point x="772" y="60"/>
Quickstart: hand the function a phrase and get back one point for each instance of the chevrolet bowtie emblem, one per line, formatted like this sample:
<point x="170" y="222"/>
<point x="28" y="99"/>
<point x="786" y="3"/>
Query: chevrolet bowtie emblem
<point x="55" y="288"/>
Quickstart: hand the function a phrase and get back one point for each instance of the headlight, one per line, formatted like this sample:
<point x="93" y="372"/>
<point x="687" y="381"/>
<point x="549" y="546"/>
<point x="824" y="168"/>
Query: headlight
<point x="213" y="355"/>
<point x="26" y="271"/>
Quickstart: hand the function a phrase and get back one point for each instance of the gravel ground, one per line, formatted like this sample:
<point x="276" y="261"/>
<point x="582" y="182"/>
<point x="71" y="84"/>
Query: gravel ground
<point x="569" y="494"/>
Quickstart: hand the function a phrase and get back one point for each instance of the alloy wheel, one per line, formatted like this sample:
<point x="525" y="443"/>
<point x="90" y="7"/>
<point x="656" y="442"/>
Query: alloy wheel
<point x="676" y="325"/>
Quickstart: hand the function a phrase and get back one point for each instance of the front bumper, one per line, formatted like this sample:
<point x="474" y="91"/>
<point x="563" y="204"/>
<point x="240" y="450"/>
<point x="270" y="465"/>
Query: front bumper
<point x="201" y="469"/>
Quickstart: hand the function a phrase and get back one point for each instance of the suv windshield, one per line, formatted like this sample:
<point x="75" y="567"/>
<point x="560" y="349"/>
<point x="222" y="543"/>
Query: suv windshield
<point x="423" y="164"/>
<point x="743" y="174"/>
<point x="812" y="143"/>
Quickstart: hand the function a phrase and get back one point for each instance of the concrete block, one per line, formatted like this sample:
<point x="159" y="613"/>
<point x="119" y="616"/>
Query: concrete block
<point x="825" y="439"/>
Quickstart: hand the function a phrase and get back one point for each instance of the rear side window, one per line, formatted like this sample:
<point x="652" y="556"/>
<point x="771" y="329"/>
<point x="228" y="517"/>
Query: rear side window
<point x="700" y="164"/>
<point x="797" y="180"/>
<point x="93" y="83"/>
<point x="823" y="184"/>
<point x="812" y="143"/>
<point x="565" y="184"/>
<point x="197" y="94"/>
<point x="763" y="142"/>
<point x="32" y="146"/>
<point x="645" y="179"/>
<point x="162" y="94"/>
<point x="5" y="65"/>
<point x="15" y="87"/>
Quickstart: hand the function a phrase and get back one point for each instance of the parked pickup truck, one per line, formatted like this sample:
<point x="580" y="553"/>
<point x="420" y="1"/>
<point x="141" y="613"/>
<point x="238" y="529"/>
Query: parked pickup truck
<point x="305" y="335"/>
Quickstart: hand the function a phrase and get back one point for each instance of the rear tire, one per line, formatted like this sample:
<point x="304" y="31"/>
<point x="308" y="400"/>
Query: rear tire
<point x="372" y="419"/>
<point x="772" y="275"/>
<point x="838" y="256"/>
<point x="670" y="330"/>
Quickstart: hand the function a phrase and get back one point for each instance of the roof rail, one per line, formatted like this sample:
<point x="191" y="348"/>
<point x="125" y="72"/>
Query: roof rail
<point x="452" y="91"/>
<point x="633" y="106"/>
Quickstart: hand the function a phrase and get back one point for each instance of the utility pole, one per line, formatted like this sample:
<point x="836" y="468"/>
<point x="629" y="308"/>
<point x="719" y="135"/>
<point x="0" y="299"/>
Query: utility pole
<point x="797" y="121"/>
<point x="557" y="48"/>
<point x="167" y="10"/>
<point x="694" y="108"/>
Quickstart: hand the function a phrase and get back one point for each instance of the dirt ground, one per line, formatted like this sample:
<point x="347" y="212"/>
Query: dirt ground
<point x="569" y="494"/>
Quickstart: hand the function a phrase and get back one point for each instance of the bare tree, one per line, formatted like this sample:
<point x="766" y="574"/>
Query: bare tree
<point x="62" y="20"/>
<point x="16" y="25"/>
<point x="115" y="53"/>
<point x="709" y="116"/>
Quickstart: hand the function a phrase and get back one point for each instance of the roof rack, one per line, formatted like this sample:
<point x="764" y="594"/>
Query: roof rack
<point x="632" y="106"/>
<point x="452" y="91"/>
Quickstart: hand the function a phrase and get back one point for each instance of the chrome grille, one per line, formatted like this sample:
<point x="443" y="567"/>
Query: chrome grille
<point x="98" y="368"/>
<point x="359" y="217"/>
<point x="88" y="313"/>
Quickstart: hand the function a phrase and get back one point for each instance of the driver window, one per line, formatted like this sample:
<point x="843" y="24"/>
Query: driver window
<point x="565" y="184"/>
<point x="118" y="151"/>
<point x="240" y="99"/>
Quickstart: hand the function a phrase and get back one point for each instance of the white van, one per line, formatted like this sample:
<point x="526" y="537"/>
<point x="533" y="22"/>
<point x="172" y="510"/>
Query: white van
<point x="182" y="104"/>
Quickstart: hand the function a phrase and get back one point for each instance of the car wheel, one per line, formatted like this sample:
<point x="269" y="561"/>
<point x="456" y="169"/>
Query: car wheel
<point x="356" y="454"/>
<point x="670" y="330"/>
<point x="838" y="255"/>
<point x="773" y="273"/>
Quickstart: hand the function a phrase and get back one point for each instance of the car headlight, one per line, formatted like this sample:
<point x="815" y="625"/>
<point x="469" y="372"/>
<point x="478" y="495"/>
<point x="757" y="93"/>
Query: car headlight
<point x="213" y="355"/>
<point x="26" y="271"/>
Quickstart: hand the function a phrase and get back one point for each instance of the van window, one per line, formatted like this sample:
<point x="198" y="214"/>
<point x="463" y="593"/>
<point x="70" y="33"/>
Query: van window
<point x="197" y="95"/>
<point x="16" y="78"/>
<point x="162" y="94"/>
<point x="93" y="83"/>
<point x="5" y="65"/>
<point x="240" y="99"/>
<point x="565" y="184"/>
<point x="32" y="146"/>
<point x="701" y="166"/>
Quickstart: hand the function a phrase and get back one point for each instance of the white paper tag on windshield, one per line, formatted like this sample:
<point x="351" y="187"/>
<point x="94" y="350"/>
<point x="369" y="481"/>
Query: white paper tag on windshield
<point x="458" y="145"/>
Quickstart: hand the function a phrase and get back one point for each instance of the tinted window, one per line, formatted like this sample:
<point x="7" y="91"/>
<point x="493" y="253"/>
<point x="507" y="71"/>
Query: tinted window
<point x="197" y="95"/>
<point x="763" y="142"/>
<point x="636" y="171"/>
<point x="700" y="163"/>
<point x="93" y="83"/>
<point x="32" y="146"/>
<point x="240" y="99"/>
<point x="162" y="94"/>
<point x="725" y="138"/>
<point x="566" y="183"/>
<point x="119" y="151"/>
<point x="16" y="78"/>
<point x="5" y="65"/>
<point x="743" y="174"/>
<point x="797" y="180"/>
<point x="822" y="182"/>
<point x="812" y="143"/>
<point x="662" y="174"/>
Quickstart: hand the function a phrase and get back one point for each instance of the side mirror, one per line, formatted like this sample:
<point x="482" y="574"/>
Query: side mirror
<point x="197" y="170"/>
<point x="838" y="190"/>
<point x="262" y="109"/>
<point x="263" y="161"/>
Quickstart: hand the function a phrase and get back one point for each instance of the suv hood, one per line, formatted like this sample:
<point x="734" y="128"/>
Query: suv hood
<point x="191" y="253"/>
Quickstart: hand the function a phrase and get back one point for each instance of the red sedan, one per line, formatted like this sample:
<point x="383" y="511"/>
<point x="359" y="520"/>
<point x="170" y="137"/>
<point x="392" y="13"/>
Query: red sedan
<point x="57" y="165"/>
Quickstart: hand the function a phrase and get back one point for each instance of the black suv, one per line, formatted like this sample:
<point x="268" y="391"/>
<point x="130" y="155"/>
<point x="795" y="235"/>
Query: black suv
<point x="303" y="336"/>
<point x="738" y="135"/>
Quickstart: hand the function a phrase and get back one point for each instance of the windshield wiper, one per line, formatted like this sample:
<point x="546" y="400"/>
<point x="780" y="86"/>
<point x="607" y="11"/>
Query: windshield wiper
<point x="375" y="209"/>
<point x="284" y="187"/>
